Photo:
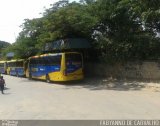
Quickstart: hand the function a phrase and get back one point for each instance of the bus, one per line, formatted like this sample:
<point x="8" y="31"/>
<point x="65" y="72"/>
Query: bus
<point x="16" y="67"/>
<point x="3" y="67"/>
<point x="64" y="66"/>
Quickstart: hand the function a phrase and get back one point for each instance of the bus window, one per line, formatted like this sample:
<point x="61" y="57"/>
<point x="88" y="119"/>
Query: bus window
<point x="19" y="64"/>
<point x="74" y="59"/>
<point x="73" y="62"/>
<point x="33" y="62"/>
<point x="56" y="60"/>
<point x="53" y="60"/>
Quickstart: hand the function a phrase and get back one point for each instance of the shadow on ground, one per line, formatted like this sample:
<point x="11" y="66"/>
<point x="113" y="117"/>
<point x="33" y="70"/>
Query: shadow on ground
<point x="104" y="84"/>
<point x="6" y="88"/>
<point x="6" y="93"/>
<point x="109" y="84"/>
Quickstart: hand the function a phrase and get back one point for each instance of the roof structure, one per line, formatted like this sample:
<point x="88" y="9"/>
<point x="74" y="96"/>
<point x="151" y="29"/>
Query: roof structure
<point x="10" y="54"/>
<point x="67" y="44"/>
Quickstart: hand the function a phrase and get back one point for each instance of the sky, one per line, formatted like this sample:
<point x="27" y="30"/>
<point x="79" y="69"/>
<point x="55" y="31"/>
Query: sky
<point x="13" y="13"/>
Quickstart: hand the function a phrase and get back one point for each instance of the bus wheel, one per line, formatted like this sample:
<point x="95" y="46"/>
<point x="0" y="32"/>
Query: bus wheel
<point x="48" y="79"/>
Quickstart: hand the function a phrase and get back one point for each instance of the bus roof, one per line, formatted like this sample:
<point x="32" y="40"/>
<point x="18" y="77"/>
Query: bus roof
<point x="16" y="60"/>
<point x="2" y="61"/>
<point x="51" y="54"/>
<point x="44" y="55"/>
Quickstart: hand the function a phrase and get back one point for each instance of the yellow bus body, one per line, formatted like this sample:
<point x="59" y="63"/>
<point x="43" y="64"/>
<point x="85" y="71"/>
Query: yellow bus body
<point x="58" y="75"/>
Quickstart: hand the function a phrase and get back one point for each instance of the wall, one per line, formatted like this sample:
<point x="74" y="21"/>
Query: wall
<point x="132" y="70"/>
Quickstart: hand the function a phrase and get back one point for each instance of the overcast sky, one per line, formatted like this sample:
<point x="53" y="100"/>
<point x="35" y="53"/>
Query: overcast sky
<point x="13" y="13"/>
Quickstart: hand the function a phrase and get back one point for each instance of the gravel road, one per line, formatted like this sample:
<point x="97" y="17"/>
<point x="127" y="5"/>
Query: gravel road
<point x="30" y="99"/>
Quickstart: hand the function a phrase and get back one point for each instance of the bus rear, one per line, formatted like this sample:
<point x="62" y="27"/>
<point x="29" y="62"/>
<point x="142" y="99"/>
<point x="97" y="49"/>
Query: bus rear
<point x="73" y="66"/>
<point x="16" y="67"/>
<point x="2" y="67"/>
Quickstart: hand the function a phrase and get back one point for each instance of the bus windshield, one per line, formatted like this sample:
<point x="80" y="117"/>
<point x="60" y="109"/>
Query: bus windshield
<point x="73" y="62"/>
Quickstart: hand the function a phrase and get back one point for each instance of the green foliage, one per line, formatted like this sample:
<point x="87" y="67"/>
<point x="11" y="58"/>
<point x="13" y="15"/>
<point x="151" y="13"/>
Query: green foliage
<point x="3" y="44"/>
<point x="151" y="14"/>
<point x="120" y="30"/>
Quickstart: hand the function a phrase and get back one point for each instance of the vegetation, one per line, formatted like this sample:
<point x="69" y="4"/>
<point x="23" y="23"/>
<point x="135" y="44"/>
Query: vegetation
<point x="3" y="44"/>
<point x="119" y="30"/>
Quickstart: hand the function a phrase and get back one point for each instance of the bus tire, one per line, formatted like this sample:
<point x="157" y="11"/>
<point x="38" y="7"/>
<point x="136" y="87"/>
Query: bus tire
<point x="48" y="79"/>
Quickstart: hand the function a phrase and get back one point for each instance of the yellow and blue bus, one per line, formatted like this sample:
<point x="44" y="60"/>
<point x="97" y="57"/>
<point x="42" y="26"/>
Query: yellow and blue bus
<point x="56" y="67"/>
<point x="3" y="67"/>
<point x="16" y="67"/>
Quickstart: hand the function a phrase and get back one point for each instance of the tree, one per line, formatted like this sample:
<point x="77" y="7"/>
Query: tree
<point x="120" y="30"/>
<point x="120" y="33"/>
<point x="151" y="14"/>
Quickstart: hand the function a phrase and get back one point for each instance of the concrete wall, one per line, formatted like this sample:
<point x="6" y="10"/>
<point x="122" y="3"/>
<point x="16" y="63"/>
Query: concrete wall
<point x="132" y="70"/>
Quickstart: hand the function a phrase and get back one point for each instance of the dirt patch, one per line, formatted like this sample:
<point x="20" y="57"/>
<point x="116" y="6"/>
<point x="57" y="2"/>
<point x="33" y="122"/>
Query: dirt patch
<point x="121" y="85"/>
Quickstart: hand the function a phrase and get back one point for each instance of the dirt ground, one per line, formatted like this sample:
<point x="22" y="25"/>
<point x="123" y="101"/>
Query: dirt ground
<point x="124" y="85"/>
<point x="96" y="98"/>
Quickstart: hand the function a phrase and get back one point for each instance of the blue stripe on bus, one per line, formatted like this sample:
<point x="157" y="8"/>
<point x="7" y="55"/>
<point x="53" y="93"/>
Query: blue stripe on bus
<point x="38" y="71"/>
